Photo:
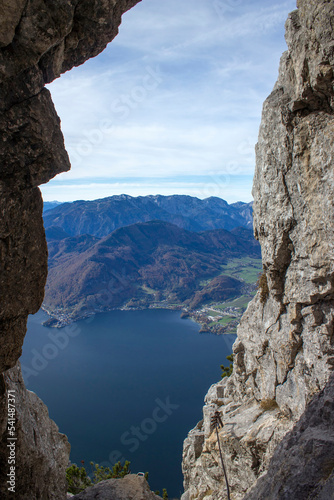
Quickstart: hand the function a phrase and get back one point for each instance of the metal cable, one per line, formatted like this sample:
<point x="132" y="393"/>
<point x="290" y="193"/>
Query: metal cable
<point x="216" y="421"/>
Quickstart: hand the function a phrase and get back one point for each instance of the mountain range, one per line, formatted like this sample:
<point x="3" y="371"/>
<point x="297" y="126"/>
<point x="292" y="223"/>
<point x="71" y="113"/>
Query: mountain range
<point x="146" y="263"/>
<point x="101" y="217"/>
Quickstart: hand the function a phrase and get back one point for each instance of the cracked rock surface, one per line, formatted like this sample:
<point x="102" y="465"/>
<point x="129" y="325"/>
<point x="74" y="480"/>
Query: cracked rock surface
<point x="41" y="451"/>
<point x="302" y="465"/>
<point x="131" y="487"/>
<point x="284" y="353"/>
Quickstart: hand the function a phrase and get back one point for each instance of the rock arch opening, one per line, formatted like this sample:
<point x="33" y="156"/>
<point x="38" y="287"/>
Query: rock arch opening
<point x="297" y="358"/>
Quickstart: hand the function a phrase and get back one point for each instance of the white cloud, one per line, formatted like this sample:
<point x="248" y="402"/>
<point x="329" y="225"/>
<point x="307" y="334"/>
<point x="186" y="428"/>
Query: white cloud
<point x="154" y="150"/>
<point x="197" y="24"/>
<point x="179" y="91"/>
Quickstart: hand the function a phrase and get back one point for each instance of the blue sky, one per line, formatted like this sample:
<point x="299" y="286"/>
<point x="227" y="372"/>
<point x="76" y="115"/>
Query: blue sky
<point x="173" y="105"/>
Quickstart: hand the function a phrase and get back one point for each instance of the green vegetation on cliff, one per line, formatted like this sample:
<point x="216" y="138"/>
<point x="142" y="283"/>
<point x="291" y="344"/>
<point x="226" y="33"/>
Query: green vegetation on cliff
<point x="78" y="479"/>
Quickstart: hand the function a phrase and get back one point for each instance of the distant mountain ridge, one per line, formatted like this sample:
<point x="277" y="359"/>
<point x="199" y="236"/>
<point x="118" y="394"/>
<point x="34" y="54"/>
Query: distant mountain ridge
<point x="155" y="261"/>
<point x="101" y="217"/>
<point x="49" y="205"/>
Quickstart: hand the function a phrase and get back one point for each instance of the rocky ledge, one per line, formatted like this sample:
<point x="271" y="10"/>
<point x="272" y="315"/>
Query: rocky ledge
<point x="131" y="487"/>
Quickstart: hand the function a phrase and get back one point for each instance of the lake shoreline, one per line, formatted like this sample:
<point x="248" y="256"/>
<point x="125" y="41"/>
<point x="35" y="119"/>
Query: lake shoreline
<point x="62" y="319"/>
<point x="213" y="315"/>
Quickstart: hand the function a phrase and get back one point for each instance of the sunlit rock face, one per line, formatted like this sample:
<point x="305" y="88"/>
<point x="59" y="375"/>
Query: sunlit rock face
<point x="41" y="452"/>
<point x="302" y="465"/>
<point x="130" y="487"/>
<point x="39" y="40"/>
<point x="284" y="353"/>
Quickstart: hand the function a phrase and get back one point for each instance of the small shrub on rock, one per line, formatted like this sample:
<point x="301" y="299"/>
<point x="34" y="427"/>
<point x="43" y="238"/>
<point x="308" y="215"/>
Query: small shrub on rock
<point x="227" y="370"/>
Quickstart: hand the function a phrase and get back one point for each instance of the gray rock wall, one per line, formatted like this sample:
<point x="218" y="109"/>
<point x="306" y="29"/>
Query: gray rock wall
<point x="41" y="453"/>
<point x="284" y="353"/>
<point x="302" y="466"/>
<point x="39" y="40"/>
<point x="131" y="487"/>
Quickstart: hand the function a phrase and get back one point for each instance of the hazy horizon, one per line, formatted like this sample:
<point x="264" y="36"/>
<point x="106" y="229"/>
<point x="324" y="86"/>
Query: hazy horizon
<point x="142" y="196"/>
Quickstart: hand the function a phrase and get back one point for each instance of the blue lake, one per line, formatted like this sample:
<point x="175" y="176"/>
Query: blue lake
<point x="125" y="385"/>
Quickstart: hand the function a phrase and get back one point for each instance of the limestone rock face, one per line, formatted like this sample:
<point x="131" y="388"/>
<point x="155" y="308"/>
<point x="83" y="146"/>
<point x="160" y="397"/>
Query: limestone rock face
<point x="39" y="40"/>
<point x="284" y="353"/>
<point x="41" y="452"/>
<point x="130" y="487"/>
<point x="303" y="463"/>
